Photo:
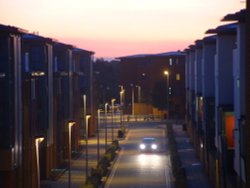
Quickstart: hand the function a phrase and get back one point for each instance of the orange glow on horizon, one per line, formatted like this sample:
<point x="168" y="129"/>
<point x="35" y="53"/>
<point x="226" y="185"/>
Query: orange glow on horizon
<point x="110" y="48"/>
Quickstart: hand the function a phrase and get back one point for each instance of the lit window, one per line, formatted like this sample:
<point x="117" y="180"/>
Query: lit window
<point x="170" y="62"/>
<point x="178" y="77"/>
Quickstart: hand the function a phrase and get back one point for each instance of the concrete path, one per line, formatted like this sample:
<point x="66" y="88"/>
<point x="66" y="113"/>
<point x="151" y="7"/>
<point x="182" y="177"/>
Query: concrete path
<point x="78" y="170"/>
<point x="196" y="177"/>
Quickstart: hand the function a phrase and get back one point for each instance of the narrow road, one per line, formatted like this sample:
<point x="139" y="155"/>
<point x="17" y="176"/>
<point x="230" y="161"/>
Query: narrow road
<point x="134" y="169"/>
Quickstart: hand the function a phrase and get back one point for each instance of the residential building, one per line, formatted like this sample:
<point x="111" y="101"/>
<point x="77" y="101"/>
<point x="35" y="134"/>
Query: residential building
<point x="208" y="104"/>
<point x="37" y="99"/>
<point x="43" y="82"/>
<point x="216" y="111"/>
<point x="147" y="71"/>
<point x="239" y="76"/>
<point x="11" y="125"/>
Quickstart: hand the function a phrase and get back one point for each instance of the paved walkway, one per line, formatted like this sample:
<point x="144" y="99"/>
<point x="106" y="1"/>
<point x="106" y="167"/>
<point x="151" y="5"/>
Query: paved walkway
<point x="78" y="172"/>
<point x="196" y="177"/>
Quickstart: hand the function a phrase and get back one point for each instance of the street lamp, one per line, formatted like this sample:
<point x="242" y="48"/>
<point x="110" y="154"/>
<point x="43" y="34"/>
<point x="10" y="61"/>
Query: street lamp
<point x="38" y="140"/>
<point x="86" y="140"/>
<point x="112" y="105"/>
<point x="121" y="104"/>
<point x="139" y="99"/>
<point x="98" y="133"/>
<point x="84" y="105"/>
<point x="139" y="93"/>
<point x="122" y="93"/>
<point x="106" y="136"/>
<point x="121" y="86"/>
<point x="166" y="73"/>
<point x="70" y="124"/>
<point x="132" y="98"/>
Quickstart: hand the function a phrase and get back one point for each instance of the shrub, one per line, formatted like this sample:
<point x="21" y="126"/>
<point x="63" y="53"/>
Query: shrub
<point x="121" y="132"/>
<point x="95" y="179"/>
<point x="115" y="143"/>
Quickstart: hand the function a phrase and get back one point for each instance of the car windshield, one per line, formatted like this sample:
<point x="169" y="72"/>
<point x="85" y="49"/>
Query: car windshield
<point x="148" y="140"/>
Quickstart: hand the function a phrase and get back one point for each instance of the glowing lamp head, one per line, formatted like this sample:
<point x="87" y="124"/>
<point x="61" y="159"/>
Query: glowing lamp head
<point x="166" y="72"/>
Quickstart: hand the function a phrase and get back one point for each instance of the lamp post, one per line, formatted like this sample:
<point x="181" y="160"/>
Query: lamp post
<point x="38" y="140"/>
<point x="86" y="140"/>
<point x="166" y="73"/>
<point x="121" y="105"/>
<point x="70" y="124"/>
<point x="84" y="105"/>
<point x="112" y="106"/>
<point x="106" y="132"/>
<point x="139" y="93"/>
<point x="121" y="86"/>
<point x="132" y="99"/>
<point x="98" y="133"/>
<point x="139" y="99"/>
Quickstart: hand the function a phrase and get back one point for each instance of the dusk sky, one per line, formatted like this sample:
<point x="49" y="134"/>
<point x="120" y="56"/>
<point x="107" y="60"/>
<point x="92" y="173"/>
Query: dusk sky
<point x="113" y="28"/>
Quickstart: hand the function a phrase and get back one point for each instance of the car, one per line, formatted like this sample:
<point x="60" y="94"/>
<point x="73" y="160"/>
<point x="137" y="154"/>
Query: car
<point x="148" y="144"/>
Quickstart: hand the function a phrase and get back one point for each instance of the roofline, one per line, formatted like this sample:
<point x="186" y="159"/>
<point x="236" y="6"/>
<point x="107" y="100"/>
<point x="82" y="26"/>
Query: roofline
<point x="83" y="51"/>
<point x="237" y="16"/>
<point x="12" y="29"/>
<point x="166" y="54"/>
<point x="223" y="29"/>
<point x="34" y="37"/>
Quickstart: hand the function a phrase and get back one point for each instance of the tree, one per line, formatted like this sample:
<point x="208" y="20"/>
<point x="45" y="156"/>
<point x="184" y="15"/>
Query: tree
<point x="107" y="79"/>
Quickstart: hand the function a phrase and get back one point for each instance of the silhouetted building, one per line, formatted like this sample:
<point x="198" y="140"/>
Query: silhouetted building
<point x="11" y="125"/>
<point x="216" y="101"/>
<point x="157" y="89"/>
<point x="239" y="76"/>
<point x="42" y="83"/>
<point x="37" y="99"/>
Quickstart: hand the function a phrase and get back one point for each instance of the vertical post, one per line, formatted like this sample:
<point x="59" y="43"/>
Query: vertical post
<point x="91" y="90"/>
<point x="168" y="94"/>
<point x="139" y="94"/>
<point x="106" y="132"/>
<point x="217" y="174"/>
<point x="133" y="100"/>
<point x="69" y="185"/>
<point x="167" y="74"/>
<point x="139" y="99"/>
<point x="84" y="127"/>
<point x="86" y="140"/>
<point x="98" y="134"/>
<point x="84" y="105"/>
<point x="70" y="124"/>
<point x="37" y="142"/>
<point x="112" y="106"/>
<point x="121" y="106"/>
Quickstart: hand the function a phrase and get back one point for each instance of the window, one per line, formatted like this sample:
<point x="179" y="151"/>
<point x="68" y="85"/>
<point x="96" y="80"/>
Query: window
<point x="74" y="66"/>
<point x="170" y="62"/>
<point x="26" y="62"/>
<point x="55" y="64"/>
<point x="33" y="89"/>
<point x="178" y="77"/>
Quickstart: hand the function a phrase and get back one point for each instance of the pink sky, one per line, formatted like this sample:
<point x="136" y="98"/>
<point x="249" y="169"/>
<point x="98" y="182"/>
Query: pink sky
<point x="113" y="28"/>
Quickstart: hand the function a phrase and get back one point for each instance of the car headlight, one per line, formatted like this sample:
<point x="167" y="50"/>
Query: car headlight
<point x="142" y="146"/>
<point x="153" y="146"/>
